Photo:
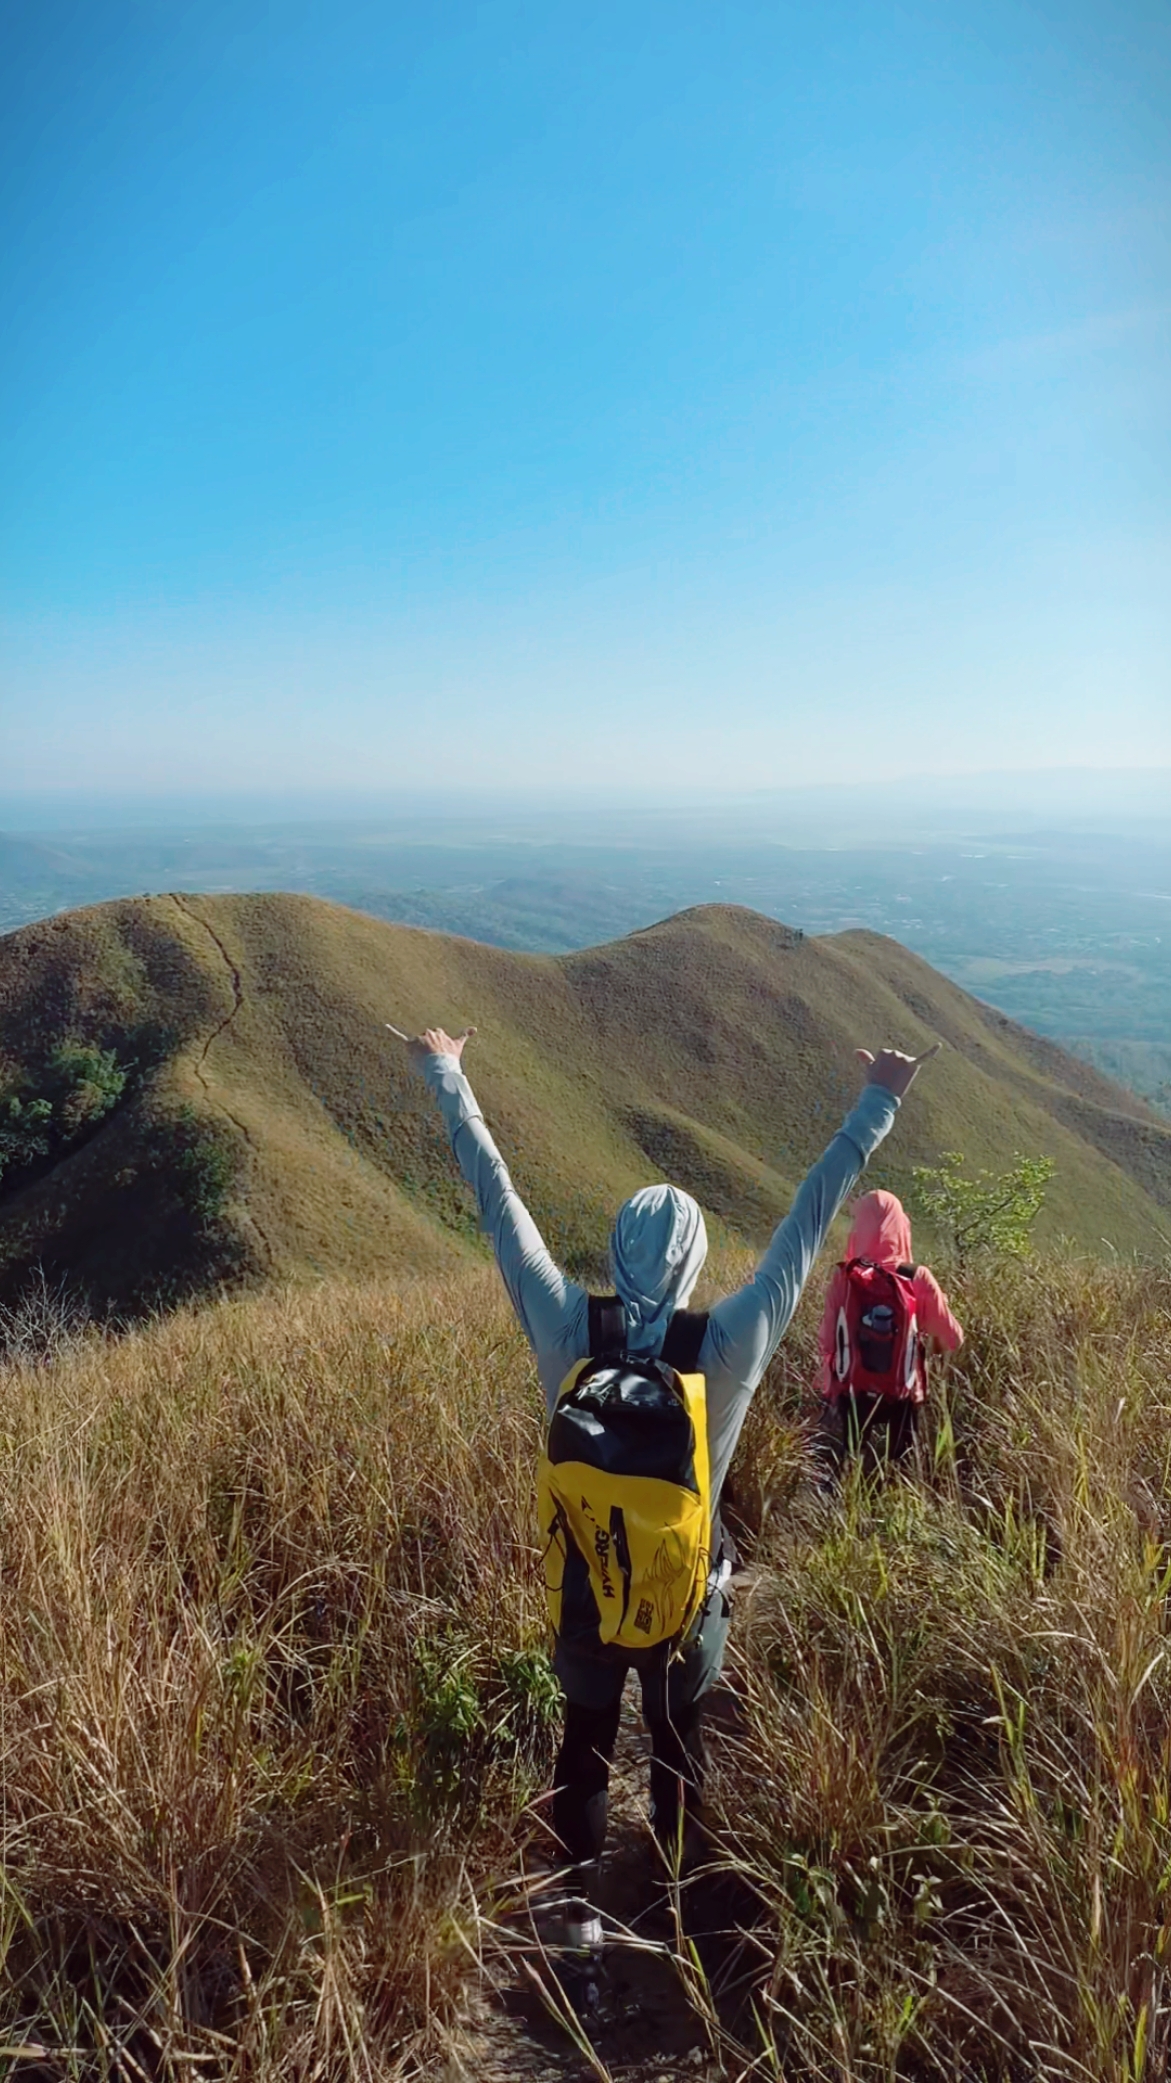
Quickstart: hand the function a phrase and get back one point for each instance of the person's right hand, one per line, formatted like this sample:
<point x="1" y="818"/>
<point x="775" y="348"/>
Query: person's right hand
<point x="435" y="1041"/>
<point x="892" y="1070"/>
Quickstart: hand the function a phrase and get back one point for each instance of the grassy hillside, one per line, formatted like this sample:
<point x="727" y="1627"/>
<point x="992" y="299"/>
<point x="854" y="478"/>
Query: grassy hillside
<point x="267" y="1126"/>
<point x="276" y="1709"/>
<point x="1144" y="1066"/>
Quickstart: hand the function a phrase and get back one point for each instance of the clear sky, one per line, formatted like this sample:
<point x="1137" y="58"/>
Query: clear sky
<point x="509" y="395"/>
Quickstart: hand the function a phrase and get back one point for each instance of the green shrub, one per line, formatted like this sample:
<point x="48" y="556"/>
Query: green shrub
<point x="449" y="1725"/>
<point x="205" y="1166"/>
<point x="474" y="1712"/>
<point x="531" y="1699"/>
<point x="25" y="1130"/>
<point x="43" y="1116"/>
<point x="83" y="1084"/>
<point x="983" y="1211"/>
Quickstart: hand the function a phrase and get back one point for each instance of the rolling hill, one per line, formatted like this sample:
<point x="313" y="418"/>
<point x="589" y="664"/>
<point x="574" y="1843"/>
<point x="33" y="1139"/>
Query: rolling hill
<point x="224" y="1103"/>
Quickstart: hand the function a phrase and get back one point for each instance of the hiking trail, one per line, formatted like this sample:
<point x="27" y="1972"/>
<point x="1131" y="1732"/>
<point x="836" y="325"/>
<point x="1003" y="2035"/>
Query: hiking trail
<point x="647" y="2030"/>
<point x="198" y="1064"/>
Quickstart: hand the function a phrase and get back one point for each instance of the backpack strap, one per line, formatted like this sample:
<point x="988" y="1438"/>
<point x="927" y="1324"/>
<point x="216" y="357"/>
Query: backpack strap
<point x="908" y="1272"/>
<point x="685" y="1335"/>
<point x="681" y="1346"/>
<point x="607" y="1326"/>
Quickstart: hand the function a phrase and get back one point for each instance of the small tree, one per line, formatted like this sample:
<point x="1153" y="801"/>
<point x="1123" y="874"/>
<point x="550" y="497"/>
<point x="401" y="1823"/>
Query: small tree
<point x="84" y="1083"/>
<point x="983" y="1211"/>
<point x="25" y="1130"/>
<point x="42" y="1117"/>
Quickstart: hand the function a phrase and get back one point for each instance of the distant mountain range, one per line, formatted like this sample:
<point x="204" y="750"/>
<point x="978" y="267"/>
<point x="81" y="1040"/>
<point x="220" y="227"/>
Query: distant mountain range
<point x="226" y="1104"/>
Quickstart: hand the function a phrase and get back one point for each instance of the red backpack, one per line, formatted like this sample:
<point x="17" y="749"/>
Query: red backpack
<point x="876" y="1339"/>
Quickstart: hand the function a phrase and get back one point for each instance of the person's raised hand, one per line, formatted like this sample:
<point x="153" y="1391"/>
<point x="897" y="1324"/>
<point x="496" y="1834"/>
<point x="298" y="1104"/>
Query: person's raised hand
<point x="892" y="1070"/>
<point x="434" y="1041"/>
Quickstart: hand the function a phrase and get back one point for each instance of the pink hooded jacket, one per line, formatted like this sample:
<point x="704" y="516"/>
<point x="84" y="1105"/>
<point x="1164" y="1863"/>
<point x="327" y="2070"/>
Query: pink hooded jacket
<point x="881" y="1231"/>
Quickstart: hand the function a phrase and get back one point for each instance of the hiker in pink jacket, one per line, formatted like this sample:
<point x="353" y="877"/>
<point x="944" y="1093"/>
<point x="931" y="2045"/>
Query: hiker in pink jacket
<point x="880" y="1311"/>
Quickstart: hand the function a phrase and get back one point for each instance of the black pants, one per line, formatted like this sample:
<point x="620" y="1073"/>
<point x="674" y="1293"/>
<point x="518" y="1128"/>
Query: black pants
<point x="879" y="1429"/>
<point x="582" y="1778"/>
<point x="673" y="1712"/>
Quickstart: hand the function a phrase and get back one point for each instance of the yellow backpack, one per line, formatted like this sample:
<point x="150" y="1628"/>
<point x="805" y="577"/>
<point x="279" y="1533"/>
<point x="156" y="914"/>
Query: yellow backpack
<point x="624" y="1492"/>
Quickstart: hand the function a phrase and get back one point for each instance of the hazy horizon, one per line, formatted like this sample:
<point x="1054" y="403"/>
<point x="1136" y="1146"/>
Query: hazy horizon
<point x="1112" y="799"/>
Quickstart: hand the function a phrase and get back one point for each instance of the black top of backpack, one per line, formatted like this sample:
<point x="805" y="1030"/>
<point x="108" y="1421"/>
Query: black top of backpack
<point x="681" y="1346"/>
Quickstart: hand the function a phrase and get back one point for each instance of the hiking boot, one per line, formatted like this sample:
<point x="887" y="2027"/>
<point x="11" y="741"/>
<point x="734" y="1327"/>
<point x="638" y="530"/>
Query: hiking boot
<point x="580" y="1966"/>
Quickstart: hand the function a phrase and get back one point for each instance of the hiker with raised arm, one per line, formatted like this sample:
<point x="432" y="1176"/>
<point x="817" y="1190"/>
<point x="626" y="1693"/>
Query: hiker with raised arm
<point x="646" y="1400"/>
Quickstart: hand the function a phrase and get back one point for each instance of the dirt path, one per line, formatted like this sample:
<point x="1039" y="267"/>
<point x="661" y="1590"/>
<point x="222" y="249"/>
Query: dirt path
<point x="647" y="2030"/>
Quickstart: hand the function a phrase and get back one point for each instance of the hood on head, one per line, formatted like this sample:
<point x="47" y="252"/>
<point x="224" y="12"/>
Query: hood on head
<point x="880" y="1230"/>
<point x="657" y="1249"/>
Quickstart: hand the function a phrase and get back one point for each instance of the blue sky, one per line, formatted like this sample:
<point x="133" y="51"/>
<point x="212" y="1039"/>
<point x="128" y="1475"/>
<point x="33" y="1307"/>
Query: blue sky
<point x="521" y="396"/>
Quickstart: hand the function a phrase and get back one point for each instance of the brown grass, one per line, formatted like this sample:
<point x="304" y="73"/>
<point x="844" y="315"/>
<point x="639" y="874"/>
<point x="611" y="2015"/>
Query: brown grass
<point x="274" y="1707"/>
<point x="266" y="1715"/>
<point x="953" y="1781"/>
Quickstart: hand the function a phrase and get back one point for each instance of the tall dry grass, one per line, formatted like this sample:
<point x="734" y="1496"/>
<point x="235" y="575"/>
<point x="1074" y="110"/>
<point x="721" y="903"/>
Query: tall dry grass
<point x="271" y="1692"/>
<point x="274" y="1706"/>
<point x="951" y="1786"/>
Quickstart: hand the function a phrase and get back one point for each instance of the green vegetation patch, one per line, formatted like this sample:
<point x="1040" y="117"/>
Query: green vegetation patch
<point x="41" y="1117"/>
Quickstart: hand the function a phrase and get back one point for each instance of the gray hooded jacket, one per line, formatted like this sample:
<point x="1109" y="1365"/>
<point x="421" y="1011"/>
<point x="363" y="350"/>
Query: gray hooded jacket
<point x="657" y="1250"/>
